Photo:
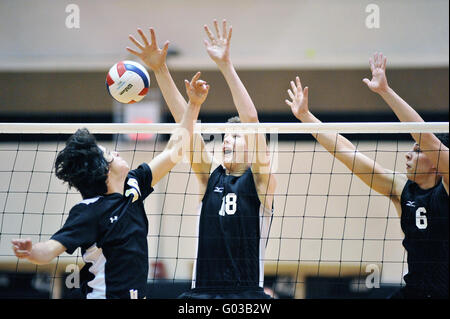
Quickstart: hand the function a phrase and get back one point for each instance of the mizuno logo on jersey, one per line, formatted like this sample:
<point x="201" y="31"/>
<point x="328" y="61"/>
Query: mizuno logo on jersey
<point x="113" y="219"/>
<point x="218" y="189"/>
<point x="410" y="203"/>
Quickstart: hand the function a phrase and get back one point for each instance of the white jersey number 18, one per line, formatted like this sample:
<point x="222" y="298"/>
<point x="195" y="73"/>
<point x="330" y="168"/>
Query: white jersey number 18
<point x="229" y="204"/>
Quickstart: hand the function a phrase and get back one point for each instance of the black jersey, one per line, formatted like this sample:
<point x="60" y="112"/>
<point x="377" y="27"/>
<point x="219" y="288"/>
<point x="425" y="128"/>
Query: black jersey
<point x="424" y="221"/>
<point x="233" y="233"/>
<point x="112" y="233"/>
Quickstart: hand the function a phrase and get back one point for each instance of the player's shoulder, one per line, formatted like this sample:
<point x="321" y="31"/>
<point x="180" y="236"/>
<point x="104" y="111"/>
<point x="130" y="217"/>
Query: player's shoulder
<point x="86" y="209"/>
<point x="86" y="204"/>
<point x="440" y="190"/>
<point x="95" y="205"/>
<point x="143" y="168"/>
<point x="217" y="172"/>
<point x="398" y="180"/>
<point x="90" y="201"/>
<point x="445" y="186"/>
<point x="139" y="182"/>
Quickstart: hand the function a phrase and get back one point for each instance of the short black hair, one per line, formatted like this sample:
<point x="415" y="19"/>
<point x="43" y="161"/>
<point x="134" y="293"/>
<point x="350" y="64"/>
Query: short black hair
<point x="82" y="165"/>
<point x="443" y="137"/>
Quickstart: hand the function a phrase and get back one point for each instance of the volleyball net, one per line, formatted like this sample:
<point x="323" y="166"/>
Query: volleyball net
<point x="330" y="236"/>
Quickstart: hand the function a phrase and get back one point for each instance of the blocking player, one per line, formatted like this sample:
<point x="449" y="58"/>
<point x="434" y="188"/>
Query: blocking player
<point x="110" y="224"/>
<point x="420" y="196"/>
<point x="237" y="196"/>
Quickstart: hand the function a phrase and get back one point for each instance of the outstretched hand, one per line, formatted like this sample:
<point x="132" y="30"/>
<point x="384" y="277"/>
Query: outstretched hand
<point x="149" y="53"/>
<point x="299" y="97"/>
<point x="22" y="247"/>
<point x="219" y="46"/>
<point x="378" y="84"/>
<point x="197" y="90"/>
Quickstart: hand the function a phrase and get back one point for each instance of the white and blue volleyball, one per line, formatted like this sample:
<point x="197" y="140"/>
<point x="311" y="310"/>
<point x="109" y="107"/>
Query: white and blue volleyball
<point x="127" y="82"/>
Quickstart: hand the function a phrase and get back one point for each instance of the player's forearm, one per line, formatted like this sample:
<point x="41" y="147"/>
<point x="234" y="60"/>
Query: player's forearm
<point x="176" y="147"/>
<point x="241" y="98"/>
<point x="41" y="254"/>
<point x="402" y="110"/>
<point x="175" y="101"/>
<point x="333" y="143"/>
<point x="190" y="116"/>
<point x="342" y="149"/>
<point x="405" y="113"/>
<point x="180" y="140"/>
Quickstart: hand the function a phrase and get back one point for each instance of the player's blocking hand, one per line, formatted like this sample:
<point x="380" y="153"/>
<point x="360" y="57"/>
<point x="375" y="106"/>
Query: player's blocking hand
<point x="196" y="89"/>
<point x="378" y="83"/>
<point x="149" y="52"/>
<point x="22" y="247"/>
<point x="218" y="46"/>
<point x="299" y="98"/>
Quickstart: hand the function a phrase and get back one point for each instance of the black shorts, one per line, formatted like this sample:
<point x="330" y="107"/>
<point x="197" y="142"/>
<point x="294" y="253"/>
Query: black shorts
<point x="204" y="293"/>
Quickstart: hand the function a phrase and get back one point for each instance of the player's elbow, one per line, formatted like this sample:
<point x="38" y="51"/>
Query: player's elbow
<point x="40" y="261"/>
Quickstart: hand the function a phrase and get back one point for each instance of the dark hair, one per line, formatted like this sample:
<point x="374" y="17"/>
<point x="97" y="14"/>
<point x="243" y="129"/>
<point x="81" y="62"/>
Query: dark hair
<point x="81" y="164"/>
<point x="237" y="119"/>
<point x="234" y="119"/>
<point x="443" y="137"/>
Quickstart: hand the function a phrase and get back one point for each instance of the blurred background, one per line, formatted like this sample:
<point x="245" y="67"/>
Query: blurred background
<point x="53" y="68"/>
<point x="51" y="72"/>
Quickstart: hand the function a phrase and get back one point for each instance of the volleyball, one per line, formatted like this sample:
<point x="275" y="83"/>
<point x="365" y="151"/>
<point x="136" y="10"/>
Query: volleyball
<point x="127" y="82"/>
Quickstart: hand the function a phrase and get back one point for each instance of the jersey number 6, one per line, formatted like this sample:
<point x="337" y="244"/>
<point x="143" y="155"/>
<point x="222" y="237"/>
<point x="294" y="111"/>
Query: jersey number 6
<point x="229" y="204"/>
<point x="421" y="218"/>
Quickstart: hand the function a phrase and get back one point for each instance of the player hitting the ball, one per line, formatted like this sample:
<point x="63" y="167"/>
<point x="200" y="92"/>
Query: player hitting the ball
<point x="236" y="197"/>
<point x="110" y="224"/>
<point x="420" y="196"/>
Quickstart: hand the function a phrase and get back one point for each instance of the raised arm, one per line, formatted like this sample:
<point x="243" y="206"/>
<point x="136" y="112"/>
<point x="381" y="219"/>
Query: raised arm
<point x="218" y="49"/>
<point x="180" y="141"/>
<point x="429" y="144"/>
<point x="381" y="180"/>
<point x="155" y="59"/>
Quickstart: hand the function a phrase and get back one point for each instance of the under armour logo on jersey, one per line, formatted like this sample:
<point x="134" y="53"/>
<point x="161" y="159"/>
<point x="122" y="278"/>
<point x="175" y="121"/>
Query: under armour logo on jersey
<point x="218" y="189"/>
<point x="410" y="203"/>
<point x="113" y="219"/>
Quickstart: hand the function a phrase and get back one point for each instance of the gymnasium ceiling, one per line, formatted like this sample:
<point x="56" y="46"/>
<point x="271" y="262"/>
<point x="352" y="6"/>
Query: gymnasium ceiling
<point x="281" y="34"/>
